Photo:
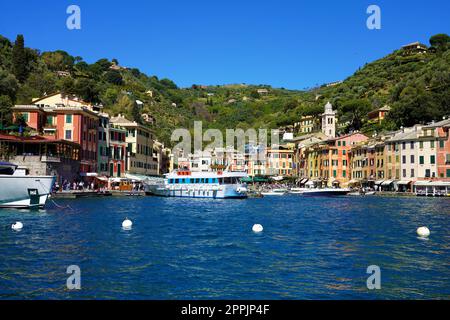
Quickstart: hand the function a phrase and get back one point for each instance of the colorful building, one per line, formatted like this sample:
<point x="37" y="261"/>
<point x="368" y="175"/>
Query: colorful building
<point x="75" y="124"/>
<point x="142" y="158"/>
<point x="279" y="162"/>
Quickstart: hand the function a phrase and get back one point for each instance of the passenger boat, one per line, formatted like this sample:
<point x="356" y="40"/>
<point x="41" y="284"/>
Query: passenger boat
<point x="325" y="192"/>
<point x="19" y="190"/>
<point x="217" y="185"/>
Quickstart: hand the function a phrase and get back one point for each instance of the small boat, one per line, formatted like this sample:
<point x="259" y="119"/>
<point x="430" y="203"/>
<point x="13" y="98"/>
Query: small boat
<point x="325" y="192"/>
<point x="20" y="190"/>
<point x="274" y="192"/>
<point x="297" y="190"/>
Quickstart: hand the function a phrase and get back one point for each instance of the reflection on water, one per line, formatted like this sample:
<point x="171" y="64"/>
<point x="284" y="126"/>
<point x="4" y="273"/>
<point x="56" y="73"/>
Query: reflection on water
<point x="311" y="248"/>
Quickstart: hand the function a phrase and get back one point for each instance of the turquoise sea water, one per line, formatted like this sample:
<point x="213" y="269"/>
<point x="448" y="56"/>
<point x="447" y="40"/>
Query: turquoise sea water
<point x="311" y="248"/>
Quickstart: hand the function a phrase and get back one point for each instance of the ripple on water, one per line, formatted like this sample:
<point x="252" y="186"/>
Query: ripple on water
<point x="311" y="248"/>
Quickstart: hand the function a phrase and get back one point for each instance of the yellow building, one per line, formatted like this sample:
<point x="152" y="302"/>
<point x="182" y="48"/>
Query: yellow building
<point x="279" y="162"/>
<point x="142" y="157"/>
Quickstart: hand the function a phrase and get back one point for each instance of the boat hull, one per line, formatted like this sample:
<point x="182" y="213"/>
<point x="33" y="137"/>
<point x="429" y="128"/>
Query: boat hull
<point x="330" y="192"/>
<point x="221" y="192"/>
<point x="25" y="191"/>
<point x="269" y="194"/>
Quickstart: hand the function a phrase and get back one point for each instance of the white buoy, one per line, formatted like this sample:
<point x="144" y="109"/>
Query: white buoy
<point x="423" y="232"/>
<point x="257" y="228"/>
<point x="127" y="224"/>
<point x="17" y="226"/>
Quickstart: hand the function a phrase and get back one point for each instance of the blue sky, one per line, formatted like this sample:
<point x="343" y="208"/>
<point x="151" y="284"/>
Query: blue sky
<point x="292" y="44"/>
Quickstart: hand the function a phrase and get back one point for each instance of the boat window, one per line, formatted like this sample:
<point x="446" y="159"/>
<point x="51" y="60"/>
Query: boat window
<point x="197" y="180"/>
<point x="214" y="180"/>
<point x="228" y="181"/>
<point x="188" y="180"/>
<point x="183" y="180"/>
<point x="170" y="180"/>
<point x="177" y="180"/>
<point x="220" y="180"/>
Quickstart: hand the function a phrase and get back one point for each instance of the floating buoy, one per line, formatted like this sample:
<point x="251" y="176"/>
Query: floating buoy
<point x="257" y="228"/>
<point x="126" y="224"/>
<point x="423" y="232"/>
<point x="17" y="226"/>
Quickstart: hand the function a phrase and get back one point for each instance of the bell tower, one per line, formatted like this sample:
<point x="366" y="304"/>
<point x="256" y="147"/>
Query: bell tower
<point x="329" y="121"/>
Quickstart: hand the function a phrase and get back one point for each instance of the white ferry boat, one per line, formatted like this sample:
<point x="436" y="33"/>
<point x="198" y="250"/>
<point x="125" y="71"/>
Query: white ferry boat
<point x="19" y="190"/>
<point x="218" y="185"/>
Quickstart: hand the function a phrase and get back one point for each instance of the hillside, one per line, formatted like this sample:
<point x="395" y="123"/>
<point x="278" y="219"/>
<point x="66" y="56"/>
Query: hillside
<point x="416" y="86"/>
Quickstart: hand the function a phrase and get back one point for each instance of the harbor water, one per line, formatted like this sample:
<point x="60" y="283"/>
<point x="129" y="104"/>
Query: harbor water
<point x="180" y="248"/>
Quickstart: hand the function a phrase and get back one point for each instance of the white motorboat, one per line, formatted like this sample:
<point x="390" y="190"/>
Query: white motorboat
<point x="297" y="190"/>
<point x="184" y="183"/>
<point x="19" y="190"/>
<point x="274" y="192"/>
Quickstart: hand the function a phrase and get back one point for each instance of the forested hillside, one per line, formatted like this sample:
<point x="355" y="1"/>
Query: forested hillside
<point x="415" y="86"/>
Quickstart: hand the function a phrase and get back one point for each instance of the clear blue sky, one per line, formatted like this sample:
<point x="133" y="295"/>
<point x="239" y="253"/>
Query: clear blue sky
<point x="292" y="44"/>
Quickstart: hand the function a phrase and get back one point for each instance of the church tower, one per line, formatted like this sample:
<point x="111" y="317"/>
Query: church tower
<point x="329" y="121"/>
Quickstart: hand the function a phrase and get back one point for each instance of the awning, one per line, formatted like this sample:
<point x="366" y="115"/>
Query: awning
<point x="422" y="183"/>
<point x="88" y="174"/>
<point x="102" y="179"/>
<point x="378" y="182"/>
<point x="403" y="182"/>
<point x="353" y="181"/>
<point x="439" y="184"/>
<point x="387" y="182"/>
<point x="336" y="182"/>
<point x="303" y="181"/>
<point x="310" y="183"/>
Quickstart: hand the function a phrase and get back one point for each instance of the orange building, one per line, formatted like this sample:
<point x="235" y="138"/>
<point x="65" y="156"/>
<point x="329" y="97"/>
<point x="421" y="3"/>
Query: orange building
<point x="333" y="158"/>
<point x="76" y="124"/>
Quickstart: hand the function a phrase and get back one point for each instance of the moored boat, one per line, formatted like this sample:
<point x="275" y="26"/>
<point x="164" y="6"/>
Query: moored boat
<point x="325" y="192"/>
<point x="274" y="192"/>
<point x="217" y="185"/>
<point x="19" y="190"/>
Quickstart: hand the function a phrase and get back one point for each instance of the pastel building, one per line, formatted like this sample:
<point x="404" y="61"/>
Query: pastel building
<point x="442" y="129"/>
<point x="142" y="158"/>
<point x="336" y="167"/>
<point x="75" y="124"/>
<point x="279" y="161"/>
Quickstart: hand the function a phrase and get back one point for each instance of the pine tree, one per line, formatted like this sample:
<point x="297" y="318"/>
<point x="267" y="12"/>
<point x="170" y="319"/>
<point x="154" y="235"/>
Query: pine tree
<point x="19" y="59"/>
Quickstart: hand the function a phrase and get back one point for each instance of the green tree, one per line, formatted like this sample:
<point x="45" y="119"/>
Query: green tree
<point x="114" y="77"/>
<point x="355" y="112"/>
<point x="5" y="110"/>
<point x="20" y="59"/>
<point x="440" y="41"/>
<point x="8" y="84"/>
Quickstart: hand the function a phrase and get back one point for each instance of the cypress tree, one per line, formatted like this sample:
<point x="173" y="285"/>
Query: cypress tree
<point x="19" y="59"/>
